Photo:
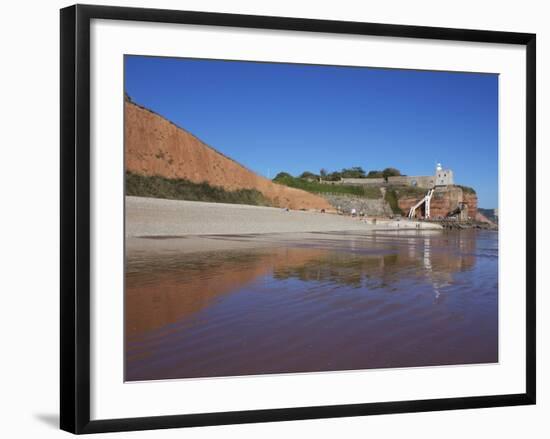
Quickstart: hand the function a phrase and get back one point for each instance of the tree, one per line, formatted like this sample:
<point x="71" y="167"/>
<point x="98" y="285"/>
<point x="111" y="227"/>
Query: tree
<point x="282" y="175"/>
<point x="323" y="172"/>
<point x="309" y="175"/>
<point x="375" y="174"/>
<point x="334" y="176"/>
<point x="390" y="172"/>
<point x="354" y="172"/>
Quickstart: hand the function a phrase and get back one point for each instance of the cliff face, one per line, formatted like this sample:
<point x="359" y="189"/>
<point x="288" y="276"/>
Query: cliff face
<point x="155" y="146"/>
<point x="444" y="201"/>
<point x="406" y="202"/>
<point x="471" y="200"/>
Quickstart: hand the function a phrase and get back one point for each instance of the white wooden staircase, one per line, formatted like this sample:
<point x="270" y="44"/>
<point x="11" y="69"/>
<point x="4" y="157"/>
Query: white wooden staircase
<point x="426" y="201"/>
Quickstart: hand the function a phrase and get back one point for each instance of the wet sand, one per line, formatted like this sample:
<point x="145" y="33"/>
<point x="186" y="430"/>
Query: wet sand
<point x="170" y="245"/>
<point x="230" y="305"/>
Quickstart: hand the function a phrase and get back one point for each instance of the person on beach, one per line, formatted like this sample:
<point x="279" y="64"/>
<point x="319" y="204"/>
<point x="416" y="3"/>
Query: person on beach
<point x="353" y="212"/>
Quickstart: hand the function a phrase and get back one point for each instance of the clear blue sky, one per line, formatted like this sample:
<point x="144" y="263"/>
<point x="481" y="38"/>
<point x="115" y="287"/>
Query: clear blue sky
<point x="287" y="117"/>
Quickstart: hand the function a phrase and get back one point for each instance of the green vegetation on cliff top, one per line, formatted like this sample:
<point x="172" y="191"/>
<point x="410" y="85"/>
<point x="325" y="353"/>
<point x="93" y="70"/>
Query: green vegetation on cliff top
<point x="353" y="172"/>
<point x="466" y="189"/>
<point x="322" y="188"/>
<point x="180" y="189"/>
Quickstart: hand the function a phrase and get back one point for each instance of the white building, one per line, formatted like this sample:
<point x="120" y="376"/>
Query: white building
<point x="443" y="177"/>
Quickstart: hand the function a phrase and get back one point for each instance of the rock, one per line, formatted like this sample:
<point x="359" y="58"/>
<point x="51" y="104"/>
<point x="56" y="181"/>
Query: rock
<point x="444" y="201"/>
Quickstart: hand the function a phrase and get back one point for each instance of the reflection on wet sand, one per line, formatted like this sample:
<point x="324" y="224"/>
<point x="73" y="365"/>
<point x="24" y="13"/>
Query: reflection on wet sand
<point x="328" y="302"/>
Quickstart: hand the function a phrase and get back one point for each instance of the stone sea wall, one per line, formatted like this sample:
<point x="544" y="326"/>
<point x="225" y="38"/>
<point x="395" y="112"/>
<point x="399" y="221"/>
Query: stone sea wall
<point x="421" y="181"/>
<point x="371" y="207"/>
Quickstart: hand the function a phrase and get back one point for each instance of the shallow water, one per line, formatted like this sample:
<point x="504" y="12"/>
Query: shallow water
<point x="331" y="302"/>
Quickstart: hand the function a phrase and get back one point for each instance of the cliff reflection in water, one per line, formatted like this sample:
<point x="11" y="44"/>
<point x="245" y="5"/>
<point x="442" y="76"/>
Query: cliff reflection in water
<point x="329" y="302"/>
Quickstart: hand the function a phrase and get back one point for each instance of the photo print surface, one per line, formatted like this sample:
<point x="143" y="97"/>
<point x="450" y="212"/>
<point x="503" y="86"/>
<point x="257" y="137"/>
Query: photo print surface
<point x="291" y="218"/>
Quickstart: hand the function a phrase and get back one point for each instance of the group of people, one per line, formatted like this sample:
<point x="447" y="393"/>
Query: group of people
<point x="360" y="214"/>
<point x="354" y="213"/>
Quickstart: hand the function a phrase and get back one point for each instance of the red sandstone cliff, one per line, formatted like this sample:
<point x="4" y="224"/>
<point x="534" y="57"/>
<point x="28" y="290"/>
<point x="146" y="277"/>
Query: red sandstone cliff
<point x="471" y="200"/>
<point x="155" y="146"/>
<point x="444" y="201"/>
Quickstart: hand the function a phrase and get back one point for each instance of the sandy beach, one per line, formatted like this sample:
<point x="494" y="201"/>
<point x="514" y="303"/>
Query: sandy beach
<point x="156" y="225"/>
<point x="153" y="217"/>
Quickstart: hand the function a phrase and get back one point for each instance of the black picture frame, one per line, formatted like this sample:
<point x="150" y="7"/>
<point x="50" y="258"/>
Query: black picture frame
<point x="75" y="217"/>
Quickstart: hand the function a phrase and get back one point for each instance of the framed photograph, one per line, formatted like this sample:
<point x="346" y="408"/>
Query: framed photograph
<point x="268" y="218"/>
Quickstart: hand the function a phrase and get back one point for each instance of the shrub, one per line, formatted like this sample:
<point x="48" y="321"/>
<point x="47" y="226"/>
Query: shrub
<point x="181" y="189"/>
<point x="375" y="174"/>
<point x="354" y="172"/>
<point x="334" y="176"/>
<point x="391" y="198"/>
<point x="467" y="189"/>
<point x="307" y="174"/>
<point x="282" y="175"/>
<point x="390" y="172"/>
<point x="323" y="188"/>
